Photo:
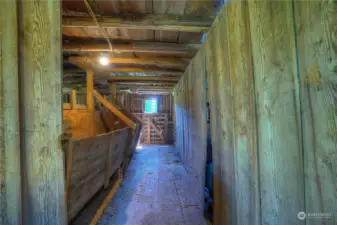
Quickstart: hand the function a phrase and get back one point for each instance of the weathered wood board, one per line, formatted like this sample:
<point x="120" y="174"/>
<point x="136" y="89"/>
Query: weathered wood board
<point x="244" y="116"/>
<point x="10" y="175"/>
<point x="220" y="100"/>
<point x="191" y="110"/>
<point x="275" y="76"/>
<point x="41" y="112"/>
<point x="271" y="86"/>
<point x="316" y="23"/>
<point x="87" y="166"/>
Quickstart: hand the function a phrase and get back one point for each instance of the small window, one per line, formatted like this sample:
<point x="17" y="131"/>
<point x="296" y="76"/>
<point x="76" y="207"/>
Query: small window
<point x="151" y="105"/>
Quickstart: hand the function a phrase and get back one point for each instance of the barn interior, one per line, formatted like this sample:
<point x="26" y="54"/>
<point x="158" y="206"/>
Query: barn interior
<point x="168" y="112"/>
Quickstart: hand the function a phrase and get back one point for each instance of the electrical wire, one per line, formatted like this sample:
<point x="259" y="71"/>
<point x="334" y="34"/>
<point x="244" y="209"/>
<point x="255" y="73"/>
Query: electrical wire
<point x="93" y="15"/>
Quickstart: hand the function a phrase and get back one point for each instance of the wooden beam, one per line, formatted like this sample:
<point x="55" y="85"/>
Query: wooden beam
<point x="114" y="110"/>
<point x="143" y="70"/>
<point x="153" y="92"/>
<point x="144" y="87"/>
<point x="145" y="21"/>
<point x="141" y="82"/>
<point x="42" y="157"/>
<point x="131" y="70"/>
<point x="166" y="61"/>
<point x="141" y="47"/>
<point x="73" y="70"/>
<point x="143" y="78"/>
<point x="10" y="175"/>
<point x="73" y="99"/>
<point x="113" y="90"/>
<point x="90" y="88"/>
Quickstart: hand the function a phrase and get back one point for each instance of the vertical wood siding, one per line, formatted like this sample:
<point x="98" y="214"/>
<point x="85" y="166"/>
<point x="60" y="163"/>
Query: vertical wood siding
<point x="271" y="75"/>
<point x="191" y="128"/>
<point x="41" y="113"/>
<point x="10" y="185"/>
<point x="316" y="29"/>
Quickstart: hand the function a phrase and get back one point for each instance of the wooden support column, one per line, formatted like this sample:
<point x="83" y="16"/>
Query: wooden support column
<point x="90" y="88"/>
<point x="148" y="135"/>
<point x="73" y="99"/>
<point x="113" y="89"/>
<point x="41" y="112"/>
<point x="10" y="185"/>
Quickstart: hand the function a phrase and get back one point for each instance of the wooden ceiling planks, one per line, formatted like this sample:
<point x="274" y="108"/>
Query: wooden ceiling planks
<point x="110" y="8"/>
<point x="196" y="8"/>
<point x="175" y="7"/>
<point x="129" y="42"/>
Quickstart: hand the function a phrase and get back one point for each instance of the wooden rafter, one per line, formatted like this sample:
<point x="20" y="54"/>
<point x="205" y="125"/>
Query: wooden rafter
<point x="143" y="70"/>
<point x="148" y="70"/>
<point x="141" y="47"/>
<point x="143" y="78"/>
<point x="162" y="82"/>
<point x="143" y="61"/>
<point x="145" y="21"/>
<point x="152" y="87"/>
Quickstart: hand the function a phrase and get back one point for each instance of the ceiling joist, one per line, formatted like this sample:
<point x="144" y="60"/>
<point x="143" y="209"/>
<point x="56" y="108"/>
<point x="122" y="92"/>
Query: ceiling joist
<point x="141" y="86"/>
<point x="129" y="70"/>
<point x="141" y="47"/>
<point x="142" y="61"/>
<point x="143" y="78"/>
<point x="143" y="21"/>
<point x="140" y="82"/>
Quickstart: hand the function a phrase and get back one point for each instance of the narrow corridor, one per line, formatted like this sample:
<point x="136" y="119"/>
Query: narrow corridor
<point x="154" y="192"/>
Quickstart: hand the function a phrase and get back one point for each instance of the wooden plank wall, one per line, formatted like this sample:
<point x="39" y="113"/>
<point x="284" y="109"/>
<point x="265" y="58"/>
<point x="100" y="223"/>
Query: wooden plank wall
<point x="316" y="24"/>
<point x="10" y="175"/>
<point x="87" y="169"/>
<point x="31" y="158"/>
<point x="191" y="128"/>
<point x="272" y="90"/>
<point x="40" y="61"/>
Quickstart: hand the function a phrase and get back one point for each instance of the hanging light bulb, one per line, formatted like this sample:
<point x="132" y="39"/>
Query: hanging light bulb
<point x="103" y="60"/>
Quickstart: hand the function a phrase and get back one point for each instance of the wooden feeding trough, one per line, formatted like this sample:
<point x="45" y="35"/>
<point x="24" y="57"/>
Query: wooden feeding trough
<point x="95" y="149"/>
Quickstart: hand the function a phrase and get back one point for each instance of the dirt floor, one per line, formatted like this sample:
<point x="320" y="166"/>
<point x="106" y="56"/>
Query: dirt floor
<point x="154" y="192"/>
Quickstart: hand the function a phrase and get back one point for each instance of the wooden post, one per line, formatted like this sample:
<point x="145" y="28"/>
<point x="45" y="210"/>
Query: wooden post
<point x="41" y="112"/>
<point x="10" y="185"/>
<point x="90" y="88"/>
<point x="113" y="89"/>
<point x="148" y="135"/>
<point x="73" y="99"/>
